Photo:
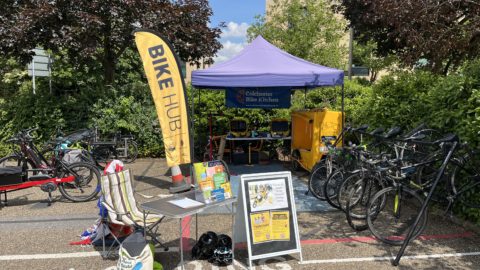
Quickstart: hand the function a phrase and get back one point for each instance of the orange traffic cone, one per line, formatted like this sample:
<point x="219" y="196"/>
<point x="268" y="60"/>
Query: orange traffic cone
<point x="178" y="181"/>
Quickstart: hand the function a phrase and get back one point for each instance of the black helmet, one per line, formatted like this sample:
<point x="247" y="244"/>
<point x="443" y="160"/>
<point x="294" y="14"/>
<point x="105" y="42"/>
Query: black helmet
<point x="208" y="239"/>
<point x="222" y="255"/>
<point x="205" y="246"/>
<point x="224" y="241"/>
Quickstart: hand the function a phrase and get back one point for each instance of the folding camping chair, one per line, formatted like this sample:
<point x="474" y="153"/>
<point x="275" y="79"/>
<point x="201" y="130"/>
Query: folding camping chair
<point x="122" y="208"/>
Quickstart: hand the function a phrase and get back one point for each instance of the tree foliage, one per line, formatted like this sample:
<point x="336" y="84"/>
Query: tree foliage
<point x="100" y="30"/>
<point x="366" y="55"/>
<point x="445" y="33"/>
<point x="307" y="29"/>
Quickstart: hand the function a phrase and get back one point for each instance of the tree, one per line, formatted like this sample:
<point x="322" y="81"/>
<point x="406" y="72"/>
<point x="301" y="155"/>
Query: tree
<point x="366" y="55"/>
<point x="101" y="30"/>
<point x="308" y="29"/>
<point x="445" y="33"/>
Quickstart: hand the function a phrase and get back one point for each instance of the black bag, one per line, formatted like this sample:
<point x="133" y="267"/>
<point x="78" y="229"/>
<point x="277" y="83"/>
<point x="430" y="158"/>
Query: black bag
<point x="11" y="176"/>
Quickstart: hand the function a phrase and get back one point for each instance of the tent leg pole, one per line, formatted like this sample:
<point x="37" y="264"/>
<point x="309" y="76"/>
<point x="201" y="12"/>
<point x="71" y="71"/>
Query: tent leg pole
<point x="343" y="112"/>
<point x="305" y="98"/>
<point x="192" y="151"/>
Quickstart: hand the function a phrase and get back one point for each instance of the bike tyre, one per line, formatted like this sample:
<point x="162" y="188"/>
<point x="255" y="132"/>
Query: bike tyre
<point x="384" y="224"/>
<point x="132" y="152"/>
<point x="330" y="189"/>
<point x="68" y="189"/>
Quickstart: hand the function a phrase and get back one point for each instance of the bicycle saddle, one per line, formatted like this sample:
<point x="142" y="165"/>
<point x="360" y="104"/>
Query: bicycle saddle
<point x="393" y="132"/>
<point x="362" y="128"/>
<point x="448" y="138"/>
<point x="377" y="131"/>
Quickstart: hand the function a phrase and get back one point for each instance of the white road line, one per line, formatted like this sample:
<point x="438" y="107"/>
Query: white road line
<point x="389" y="258"/>
<point x="175" y="249"/>
<point x="66" y="255"/>
<point x="49" y="256"/>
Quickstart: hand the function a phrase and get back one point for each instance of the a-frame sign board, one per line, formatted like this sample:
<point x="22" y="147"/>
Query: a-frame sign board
<point x="266" y="218"/>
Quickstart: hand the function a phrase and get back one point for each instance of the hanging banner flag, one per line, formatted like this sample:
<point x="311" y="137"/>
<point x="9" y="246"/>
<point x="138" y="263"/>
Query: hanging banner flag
<point x="168" y="90"/>
<point x="265" y="97"/>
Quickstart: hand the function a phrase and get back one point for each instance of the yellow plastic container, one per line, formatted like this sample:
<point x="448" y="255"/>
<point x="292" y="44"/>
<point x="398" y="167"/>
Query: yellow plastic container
<point x="308" y="129"/>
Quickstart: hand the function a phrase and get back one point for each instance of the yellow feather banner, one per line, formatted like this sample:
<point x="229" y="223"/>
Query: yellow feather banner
<point x="168" y="90"/>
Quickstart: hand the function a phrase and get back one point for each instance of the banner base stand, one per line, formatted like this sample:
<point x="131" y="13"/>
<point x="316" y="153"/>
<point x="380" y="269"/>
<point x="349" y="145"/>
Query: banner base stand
<point x="180" y="188"/>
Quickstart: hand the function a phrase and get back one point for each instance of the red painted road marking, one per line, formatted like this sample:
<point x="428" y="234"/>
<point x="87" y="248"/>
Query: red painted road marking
<point x="370" y="239"/>
<point x="186" y="222"/>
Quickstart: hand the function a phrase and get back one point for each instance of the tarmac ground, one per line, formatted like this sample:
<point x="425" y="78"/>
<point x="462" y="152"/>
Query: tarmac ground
<point x="36" y="236"/>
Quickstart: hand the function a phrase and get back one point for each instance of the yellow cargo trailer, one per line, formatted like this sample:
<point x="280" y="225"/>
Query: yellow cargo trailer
<point x="309" y="131"/>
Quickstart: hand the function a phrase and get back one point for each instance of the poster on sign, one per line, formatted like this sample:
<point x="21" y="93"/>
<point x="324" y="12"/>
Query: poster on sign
<point x="267" y="195"/>
<point x="266" y="218"/>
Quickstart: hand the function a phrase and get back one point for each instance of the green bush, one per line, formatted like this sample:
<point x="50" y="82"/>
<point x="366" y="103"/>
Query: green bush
<point x="130" y="109"/>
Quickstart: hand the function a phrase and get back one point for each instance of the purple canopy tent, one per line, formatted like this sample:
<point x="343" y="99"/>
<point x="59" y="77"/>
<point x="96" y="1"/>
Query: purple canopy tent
<point x="261" y="65"/>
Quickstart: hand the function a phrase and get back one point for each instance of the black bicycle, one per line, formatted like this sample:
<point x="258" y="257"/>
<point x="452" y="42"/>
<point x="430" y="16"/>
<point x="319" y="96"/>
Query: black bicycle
<point x="76" y="181"/>
<point x="404" y="199"/>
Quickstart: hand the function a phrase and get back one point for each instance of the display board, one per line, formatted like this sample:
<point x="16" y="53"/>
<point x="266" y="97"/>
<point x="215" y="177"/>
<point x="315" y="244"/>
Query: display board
<point x="267" y="215"/>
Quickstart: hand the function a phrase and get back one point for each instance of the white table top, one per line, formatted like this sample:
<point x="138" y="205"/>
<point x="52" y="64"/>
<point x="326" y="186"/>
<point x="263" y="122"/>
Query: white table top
<point x="165" y="208"/>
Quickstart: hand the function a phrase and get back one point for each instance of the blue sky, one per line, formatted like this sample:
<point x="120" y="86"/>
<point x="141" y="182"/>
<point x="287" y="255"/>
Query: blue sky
<point x="238" y="15"/>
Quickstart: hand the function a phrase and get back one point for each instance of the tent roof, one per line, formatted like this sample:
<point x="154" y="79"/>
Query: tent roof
<point x="261" y="64"/>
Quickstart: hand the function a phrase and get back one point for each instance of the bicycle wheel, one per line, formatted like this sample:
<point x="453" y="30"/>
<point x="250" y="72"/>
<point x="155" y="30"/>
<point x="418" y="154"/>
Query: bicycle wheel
<point x="317" y="179"/>
<point x="353" y="208"/>
<point x="465" y="183"/>
<point x="86" y="184"/>
<point x="330" y="189"/>
<point x="391" y="221"/>
<point x="344" y="189"/>
<point x="295" y="160"/>
<point x="132" y="152"/>
<point x="358" y="200"/>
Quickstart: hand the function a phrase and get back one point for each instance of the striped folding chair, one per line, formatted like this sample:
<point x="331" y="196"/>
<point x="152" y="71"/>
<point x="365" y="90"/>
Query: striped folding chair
<point x="122" y="208"/>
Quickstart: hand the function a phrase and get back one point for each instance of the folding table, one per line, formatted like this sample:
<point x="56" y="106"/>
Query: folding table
<point x="169" y="210"/>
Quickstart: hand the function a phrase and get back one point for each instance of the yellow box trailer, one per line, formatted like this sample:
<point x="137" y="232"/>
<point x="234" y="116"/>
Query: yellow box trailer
<point x="310" y="130"/>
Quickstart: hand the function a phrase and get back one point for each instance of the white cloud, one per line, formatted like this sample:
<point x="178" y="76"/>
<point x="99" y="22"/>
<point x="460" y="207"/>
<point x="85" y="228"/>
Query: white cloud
<point x="235" y="30"/>
<point x="233" y="39"/>
<point x="229" y="50"/>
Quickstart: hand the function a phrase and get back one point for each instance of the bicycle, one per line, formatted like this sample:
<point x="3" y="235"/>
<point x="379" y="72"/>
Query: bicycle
<point x="77" y="182"/>
<point x="404" y="200"/>
<point x="331" y="162"/>
<point x="335" y="180"/>
<point x="337" y="188"/>
<point x="126" y="148"/>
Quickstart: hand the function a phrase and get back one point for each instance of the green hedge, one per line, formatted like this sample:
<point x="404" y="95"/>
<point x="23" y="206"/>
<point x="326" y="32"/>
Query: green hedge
<point x="448" y="103"/>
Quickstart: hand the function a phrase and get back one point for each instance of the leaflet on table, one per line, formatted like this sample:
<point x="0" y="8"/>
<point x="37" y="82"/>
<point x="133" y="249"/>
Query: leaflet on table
<point x="186" y="203"/>
<point x="270" y="226"/>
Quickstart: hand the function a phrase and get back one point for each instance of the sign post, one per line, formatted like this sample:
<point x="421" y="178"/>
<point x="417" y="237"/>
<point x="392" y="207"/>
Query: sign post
<point x="40" y="67"/>
<point x="266" y="216"/>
